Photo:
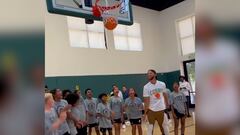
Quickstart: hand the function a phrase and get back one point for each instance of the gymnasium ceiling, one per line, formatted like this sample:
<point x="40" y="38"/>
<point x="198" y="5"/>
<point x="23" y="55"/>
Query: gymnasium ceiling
<point x="158" y="5"/>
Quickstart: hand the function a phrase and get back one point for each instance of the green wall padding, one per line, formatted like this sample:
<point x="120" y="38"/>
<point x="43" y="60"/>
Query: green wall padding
<point x="171" y="78"/>
<point x="103" y="83"/>
<point x="25" y="50"/>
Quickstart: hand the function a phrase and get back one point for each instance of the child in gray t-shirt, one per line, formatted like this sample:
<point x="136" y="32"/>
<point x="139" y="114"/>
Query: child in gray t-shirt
<point x="59" y="106"/>
<point x="179" y="108"/>
<point x="52" y="122"/>
<point x="104" y="113"/>
<point x="134" y="107"/>
<point x="116" y="105"/>
<point x="50" y="118"/>
<point x="81" y="110"/>
<point x="91" y="104"/>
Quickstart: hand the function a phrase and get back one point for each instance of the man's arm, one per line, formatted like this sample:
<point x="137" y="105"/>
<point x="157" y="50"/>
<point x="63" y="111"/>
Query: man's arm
<point x="166" y="99"/>
<point x="146" y="100"/>
<point x="146" y="104"/>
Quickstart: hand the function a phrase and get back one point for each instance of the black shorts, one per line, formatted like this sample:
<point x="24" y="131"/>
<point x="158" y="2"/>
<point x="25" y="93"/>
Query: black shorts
<point x="136" y="121"/>
<point x="93" y="125"/>
<point x="66" y="133"/>
<point x="82" y="131"/>
<point x="117" y="121"/>
<point x="103" y="130"/>
<point x="178" y="114"/>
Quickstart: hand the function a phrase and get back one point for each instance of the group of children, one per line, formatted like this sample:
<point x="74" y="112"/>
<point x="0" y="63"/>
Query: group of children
<point x="68" y="113"/>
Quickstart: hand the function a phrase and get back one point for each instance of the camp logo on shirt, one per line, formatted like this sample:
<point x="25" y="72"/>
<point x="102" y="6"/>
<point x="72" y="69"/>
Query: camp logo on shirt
<point x="179" y="98"/>
<point x="116" y="101"/>
<point x="156" y="93"/>
<point x="91" y="106"/>
<point x="216" y="77"/>
<point x="132" y="104"/>
<point x="105" y="111"/>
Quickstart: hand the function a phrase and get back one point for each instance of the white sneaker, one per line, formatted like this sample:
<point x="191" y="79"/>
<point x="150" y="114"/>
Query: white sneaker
<point x="127" y="123"/>
<point x="124" y="126"/>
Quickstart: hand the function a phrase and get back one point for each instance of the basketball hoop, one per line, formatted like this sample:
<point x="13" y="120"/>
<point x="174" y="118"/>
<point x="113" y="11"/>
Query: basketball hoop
<point x="110" y="18"/>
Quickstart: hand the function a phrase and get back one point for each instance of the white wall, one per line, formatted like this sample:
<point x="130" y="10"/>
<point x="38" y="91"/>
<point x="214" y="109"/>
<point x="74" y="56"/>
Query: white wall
<point x="17" y="16"/>
<point x="159" y="44"/>
<point x="168" y="33"/>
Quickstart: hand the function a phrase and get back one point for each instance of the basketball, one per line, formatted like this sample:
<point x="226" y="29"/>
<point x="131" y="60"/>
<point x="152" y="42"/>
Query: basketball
<point x="110" y="23"/>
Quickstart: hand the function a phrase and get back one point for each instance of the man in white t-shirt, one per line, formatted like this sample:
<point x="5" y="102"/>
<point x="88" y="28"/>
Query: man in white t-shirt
<point x="155" y="101"/>
<point x="186" y="88"/>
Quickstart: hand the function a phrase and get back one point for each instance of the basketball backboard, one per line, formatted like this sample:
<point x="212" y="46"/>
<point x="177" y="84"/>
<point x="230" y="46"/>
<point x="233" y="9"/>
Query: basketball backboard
<point x="83" y="9"/>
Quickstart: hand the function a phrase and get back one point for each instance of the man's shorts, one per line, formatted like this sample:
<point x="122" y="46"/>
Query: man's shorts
<point x="155" y="116"/>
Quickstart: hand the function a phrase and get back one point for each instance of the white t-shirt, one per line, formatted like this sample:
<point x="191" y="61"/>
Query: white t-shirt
<point x="119" y="94"/>
<point x="155" y="93"/>
<point x="185" y="87"/>
<point x="218" y="94"/>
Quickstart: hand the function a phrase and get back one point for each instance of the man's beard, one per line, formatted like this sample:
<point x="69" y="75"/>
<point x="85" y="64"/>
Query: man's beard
<point x="150" y="79"/>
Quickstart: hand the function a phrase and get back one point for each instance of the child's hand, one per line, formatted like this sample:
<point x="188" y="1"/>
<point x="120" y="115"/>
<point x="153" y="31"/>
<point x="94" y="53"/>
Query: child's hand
<point x="90" y="114"/>
<point x="98" y="115"/>
<point x="55" y="126"/>
<point x="113" y="114"/>
<point x="84" y="123"/>
<point x="81" y="124"/>
<point x="109" y="118"/>
<point x="66" y="108"/>
<point x="62" y="116"/>
<point x="144" y="117"/>
<point x="78" y="125"/>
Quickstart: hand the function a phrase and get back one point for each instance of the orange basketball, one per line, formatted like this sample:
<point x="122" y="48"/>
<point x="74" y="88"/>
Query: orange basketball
<point x="110" y="23"/>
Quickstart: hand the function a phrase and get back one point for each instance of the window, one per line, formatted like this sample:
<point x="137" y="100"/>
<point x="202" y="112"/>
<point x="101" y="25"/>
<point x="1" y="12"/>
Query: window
<point x="128" y="38"/>
<point x="186" y="34"/>
<point x="85" y="35"/>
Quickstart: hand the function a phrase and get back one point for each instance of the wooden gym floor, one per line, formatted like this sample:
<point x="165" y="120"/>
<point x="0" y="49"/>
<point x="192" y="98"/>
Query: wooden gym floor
<point x="189" y="128"/>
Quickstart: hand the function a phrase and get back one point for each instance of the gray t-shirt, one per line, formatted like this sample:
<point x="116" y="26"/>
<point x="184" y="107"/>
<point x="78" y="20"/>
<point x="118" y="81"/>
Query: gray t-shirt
<point x="58" y="106"/>
<point x="50" y="118"/>
<point x="105" y="111"/>
<point x="168" y="92"/>
<point x="134" y="107"/>
<point x="91" y="105"/>
<point x="178" y="101"/>
<point x="82" y="109"/>
<point x="116" y="104"/>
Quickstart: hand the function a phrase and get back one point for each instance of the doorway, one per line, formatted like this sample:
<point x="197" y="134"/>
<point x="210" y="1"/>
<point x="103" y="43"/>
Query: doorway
<point x="189" y="73"/>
